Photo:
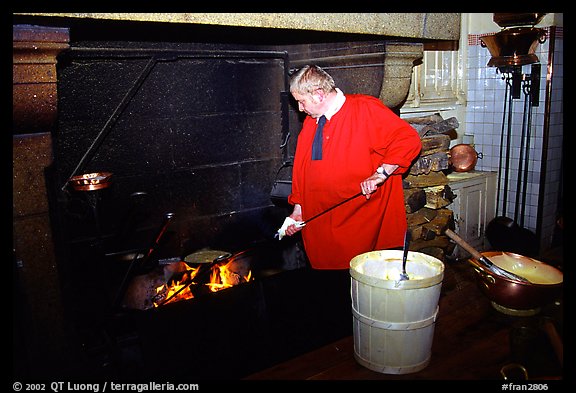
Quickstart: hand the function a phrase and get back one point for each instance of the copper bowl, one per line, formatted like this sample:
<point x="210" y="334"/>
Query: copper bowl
<point x="515" y="297"/>
<point x="463" y="157"/>
<point x="515" y="46"/>
<point x="90" y="181"/>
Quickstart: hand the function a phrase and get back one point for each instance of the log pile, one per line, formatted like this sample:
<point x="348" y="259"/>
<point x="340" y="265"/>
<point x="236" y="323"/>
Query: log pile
<point x="427" y="195"/>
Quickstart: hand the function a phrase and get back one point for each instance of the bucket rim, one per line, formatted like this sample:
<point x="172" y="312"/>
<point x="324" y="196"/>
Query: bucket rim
<point x="394" y="255"/>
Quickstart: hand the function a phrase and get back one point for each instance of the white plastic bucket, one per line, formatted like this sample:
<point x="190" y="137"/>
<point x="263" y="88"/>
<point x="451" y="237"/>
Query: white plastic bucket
<point x="394" y="320"/>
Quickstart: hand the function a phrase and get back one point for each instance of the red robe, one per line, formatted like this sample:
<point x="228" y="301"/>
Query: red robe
<point x="362" y="135"/>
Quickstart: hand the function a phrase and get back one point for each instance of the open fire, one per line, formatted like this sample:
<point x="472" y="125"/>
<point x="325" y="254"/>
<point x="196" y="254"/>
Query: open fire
<point x="177" y="290"/>
<point x="179" y="281"/>
<point x="224" y="277"/>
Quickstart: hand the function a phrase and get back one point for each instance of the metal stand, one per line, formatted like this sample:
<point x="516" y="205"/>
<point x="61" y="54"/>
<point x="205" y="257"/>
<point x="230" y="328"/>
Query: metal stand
<point x="516" y="84"/>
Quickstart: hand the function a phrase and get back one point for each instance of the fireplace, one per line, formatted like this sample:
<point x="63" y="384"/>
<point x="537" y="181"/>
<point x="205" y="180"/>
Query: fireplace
<point x="228" y="334"/>
<point x="178" y="145"/>
<point x="188" y="120"/>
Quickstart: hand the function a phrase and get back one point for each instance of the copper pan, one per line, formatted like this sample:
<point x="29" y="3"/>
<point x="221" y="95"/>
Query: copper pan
<point x="91" y="181"/>
<point x="511" y="296"/>
<point x="463" y="157"/>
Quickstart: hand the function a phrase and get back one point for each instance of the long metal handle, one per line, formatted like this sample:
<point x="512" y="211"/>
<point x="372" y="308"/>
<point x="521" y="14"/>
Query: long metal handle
<point x="498" y="270"/>
<point x="333" y="207"/>
<point x="110" y="122"/>
<point x="340" y="204"/>
<point x="122" y="289"/>
<point x="167" y="218"/>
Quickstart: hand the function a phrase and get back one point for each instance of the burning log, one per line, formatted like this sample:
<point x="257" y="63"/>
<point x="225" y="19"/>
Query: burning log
<point x="142" y="290"/>
<point x="179" y="281"/>
<point x="148" y="290"/>
<point x="232" y="273"/>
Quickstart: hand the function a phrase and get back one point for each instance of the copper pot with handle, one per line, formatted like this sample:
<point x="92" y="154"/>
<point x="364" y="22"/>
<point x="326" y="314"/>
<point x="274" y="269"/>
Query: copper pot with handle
<point x="463" y="157"/>
<point x="514" y="46"/>
<point x="539" y="283"/>
<point x="91" y="181"/>
<point x="516" y="298"/>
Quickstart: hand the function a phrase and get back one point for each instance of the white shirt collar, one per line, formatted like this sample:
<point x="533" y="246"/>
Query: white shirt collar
<point x="338" y="102"/>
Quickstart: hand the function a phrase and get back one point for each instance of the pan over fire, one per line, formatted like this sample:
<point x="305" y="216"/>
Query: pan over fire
<point x="202" y="272"/>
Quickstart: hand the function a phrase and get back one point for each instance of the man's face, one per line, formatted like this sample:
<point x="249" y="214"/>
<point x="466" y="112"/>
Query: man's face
<point x="309" y="103"/>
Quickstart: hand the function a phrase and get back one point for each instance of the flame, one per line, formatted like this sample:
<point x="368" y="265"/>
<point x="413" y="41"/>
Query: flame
<point x="221" y="277"/>
<point x="176" y="291"/>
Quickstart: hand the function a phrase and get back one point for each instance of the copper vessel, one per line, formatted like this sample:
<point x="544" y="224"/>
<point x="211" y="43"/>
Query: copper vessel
<point x="518" y="298"/>
<point x="91" y="181"/>
<point x="515" y="46"/>
<point x="463" y="157"/>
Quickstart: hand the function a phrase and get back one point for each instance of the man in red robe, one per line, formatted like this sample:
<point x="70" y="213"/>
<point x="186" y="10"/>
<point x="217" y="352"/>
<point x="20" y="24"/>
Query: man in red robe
<point x="365" y="147"/>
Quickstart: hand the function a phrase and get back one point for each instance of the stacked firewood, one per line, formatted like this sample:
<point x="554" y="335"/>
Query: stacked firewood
<point x="427" y="194"/>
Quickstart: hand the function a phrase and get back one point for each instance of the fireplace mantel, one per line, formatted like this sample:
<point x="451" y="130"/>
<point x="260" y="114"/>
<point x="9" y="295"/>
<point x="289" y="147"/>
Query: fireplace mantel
<point x="413" y="25"/>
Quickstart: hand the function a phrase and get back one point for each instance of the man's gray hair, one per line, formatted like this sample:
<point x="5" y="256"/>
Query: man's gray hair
<point x="310" y="78"/>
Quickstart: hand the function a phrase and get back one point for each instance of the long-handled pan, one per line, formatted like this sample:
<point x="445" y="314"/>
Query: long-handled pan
<point x="280" y="233"/>
<point x="338" y="204"/>
<point x="332" y="208"/>
<point x="484" y="260"/>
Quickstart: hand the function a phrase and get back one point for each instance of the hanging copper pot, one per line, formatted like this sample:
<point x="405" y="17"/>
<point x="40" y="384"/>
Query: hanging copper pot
<point x="513" y="47"/>
<point x="91" y="181"/>
<point x="463" y="157"/>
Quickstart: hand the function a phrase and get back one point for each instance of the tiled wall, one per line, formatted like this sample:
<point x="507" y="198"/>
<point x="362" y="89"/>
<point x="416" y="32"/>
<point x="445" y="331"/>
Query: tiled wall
<point x="554" y="148"/>
<point x="484" y="120"/>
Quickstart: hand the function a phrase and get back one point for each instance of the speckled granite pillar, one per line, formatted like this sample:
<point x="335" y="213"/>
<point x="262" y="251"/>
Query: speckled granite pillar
<point x="34" y="79"/>
<point x="38" y="323"/>
<point x="399" y="60"/>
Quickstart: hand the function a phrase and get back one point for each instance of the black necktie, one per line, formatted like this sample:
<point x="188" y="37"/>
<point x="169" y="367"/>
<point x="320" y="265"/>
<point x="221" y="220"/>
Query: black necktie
<point x="317" y="145"/>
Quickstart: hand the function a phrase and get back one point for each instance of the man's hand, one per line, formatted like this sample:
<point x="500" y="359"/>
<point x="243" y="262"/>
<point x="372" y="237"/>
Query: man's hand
<point x="296" y="216"/>
<point x="371" y="184"/>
